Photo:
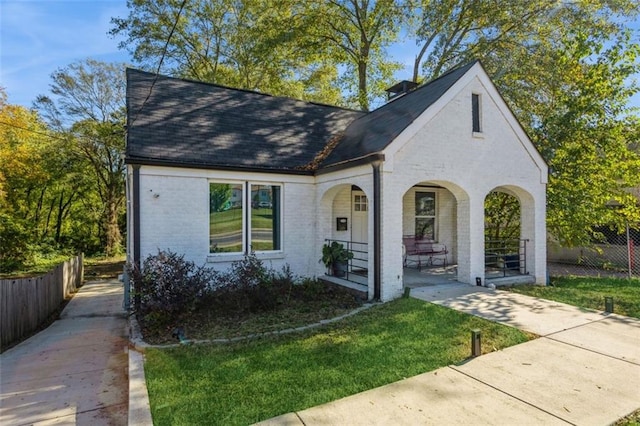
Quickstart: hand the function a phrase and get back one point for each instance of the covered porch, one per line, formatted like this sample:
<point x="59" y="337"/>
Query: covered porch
<point x="505" y="264"/>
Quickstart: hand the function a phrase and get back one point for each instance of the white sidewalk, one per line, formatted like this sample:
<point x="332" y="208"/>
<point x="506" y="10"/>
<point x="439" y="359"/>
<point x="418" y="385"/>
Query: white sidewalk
<point x="73" y="372"/>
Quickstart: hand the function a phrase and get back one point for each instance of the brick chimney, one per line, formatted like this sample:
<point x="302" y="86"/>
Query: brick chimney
<point x="400" y="88"/>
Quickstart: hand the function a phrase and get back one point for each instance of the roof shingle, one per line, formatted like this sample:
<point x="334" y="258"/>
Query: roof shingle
<point x="194" y="124"/>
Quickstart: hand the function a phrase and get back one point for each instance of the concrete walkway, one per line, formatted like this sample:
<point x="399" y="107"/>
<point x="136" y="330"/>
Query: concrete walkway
<point x="584" y="370"/>
<point x="73" y="372"/>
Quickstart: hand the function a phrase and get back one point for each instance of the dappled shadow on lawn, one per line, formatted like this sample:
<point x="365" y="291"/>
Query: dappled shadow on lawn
<point x="531" y="314"/>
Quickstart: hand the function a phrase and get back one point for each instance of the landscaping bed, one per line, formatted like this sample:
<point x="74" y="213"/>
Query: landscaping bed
<point x="305" y="304"/>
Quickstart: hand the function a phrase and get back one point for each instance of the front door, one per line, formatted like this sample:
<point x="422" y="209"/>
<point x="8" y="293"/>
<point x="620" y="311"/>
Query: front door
<point x="359" y="230"/>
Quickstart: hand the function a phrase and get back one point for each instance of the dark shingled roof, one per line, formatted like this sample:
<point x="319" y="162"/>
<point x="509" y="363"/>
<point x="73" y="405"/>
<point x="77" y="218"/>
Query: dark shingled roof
<point x="372" y="133"/>
<point x="193" y="124"/>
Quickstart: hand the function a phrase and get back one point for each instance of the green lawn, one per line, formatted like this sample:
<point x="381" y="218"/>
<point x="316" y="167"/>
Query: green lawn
<point x="248" y="382"/>
<point x="43" y="264"/>
<point x="590" y="293"/>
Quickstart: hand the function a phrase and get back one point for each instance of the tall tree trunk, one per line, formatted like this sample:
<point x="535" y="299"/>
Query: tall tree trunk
<point x="111" y="229"/>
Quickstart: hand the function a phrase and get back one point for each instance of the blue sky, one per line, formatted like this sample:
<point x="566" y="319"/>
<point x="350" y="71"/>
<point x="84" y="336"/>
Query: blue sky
<point x="39" y="36"/>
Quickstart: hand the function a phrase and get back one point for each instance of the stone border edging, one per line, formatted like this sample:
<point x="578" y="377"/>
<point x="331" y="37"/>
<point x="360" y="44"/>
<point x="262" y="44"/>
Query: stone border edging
<point x="139" y="407"/>
<point x="137" y="342"/>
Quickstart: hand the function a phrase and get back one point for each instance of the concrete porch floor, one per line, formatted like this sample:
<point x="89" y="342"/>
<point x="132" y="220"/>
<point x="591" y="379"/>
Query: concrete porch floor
<point x="438" y="275"/>
<point x="429" y="277"/>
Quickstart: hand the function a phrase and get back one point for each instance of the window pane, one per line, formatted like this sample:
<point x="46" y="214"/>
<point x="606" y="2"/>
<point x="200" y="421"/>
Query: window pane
<point x="225" y="218"/>
<point x="425" y="203"/>
<point x="265" y="217"/>
<point x="425" y="228"/>
<point x="475" y="112"/>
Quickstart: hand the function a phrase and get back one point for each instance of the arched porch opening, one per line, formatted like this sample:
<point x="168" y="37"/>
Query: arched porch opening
<point x="508" y="233"/>
<point x="434" y="236"/>
<point x="345" y="222"/>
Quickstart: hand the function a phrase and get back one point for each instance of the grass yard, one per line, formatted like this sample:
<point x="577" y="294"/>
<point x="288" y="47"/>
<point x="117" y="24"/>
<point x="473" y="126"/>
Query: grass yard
<point x="94" y="267"/>
<point x="248" y="382"/>
<point x="589" y="293"/>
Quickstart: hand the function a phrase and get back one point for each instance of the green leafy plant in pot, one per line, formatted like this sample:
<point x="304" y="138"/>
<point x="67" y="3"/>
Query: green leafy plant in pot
<point x="336" y="258"/>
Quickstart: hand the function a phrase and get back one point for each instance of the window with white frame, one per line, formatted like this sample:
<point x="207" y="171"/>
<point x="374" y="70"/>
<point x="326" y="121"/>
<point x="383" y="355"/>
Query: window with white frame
<point x="244" y="217"/>
<point x="425" y="215"/>
<point x="360" y="203"/>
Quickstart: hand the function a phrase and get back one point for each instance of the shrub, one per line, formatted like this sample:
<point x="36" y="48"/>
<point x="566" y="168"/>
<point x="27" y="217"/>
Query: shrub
<point x="167" y="285"/>
<point x="250" y="286"/>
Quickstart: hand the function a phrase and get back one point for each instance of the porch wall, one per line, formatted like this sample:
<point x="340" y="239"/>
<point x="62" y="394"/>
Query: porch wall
<point x="333" y="200"/>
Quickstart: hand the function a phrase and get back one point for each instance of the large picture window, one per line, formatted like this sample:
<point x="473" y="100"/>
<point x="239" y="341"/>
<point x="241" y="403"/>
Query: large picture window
<point x="425" y="215"/>
<point x="244" y="217"/>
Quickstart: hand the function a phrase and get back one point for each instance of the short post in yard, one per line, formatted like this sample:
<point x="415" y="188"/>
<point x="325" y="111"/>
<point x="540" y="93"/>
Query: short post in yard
<point x="475" y="343"/>
<point x="608" y="304"/>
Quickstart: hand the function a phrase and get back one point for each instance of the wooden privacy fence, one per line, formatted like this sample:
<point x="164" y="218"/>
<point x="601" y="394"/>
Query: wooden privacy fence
<point x="26" y="302"/>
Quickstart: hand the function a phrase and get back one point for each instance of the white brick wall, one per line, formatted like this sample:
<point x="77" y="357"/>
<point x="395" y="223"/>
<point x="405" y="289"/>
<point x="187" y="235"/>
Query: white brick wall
<point x="175" y="215"/>
<point x="443" y="151"/>
<point x="437" y="149"/>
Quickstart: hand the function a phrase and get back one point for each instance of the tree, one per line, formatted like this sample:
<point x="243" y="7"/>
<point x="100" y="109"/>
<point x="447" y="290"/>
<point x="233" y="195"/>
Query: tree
<point x="502" y="217"/>
<point x="219" y="196"/>
<point x="89" y="107"/>
<point x="43" y="182"/>
<point x="565" y="69"/>
<point x="358" y="31"/>
<point x="585" y="132"/>
<point x="252" y="44"/>
<point x="21" y="172"/>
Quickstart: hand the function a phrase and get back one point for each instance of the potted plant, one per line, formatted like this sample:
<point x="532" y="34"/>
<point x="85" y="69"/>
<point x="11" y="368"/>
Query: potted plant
<point x="336" y="257"/>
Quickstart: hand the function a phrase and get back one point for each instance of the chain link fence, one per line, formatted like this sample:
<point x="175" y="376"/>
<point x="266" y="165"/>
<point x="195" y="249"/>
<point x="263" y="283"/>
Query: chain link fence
<point x="613" y="254"/>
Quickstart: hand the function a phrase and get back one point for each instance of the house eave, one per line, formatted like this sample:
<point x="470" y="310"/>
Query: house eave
<point x="247" y="169"/>
<point x="355" y="162"/>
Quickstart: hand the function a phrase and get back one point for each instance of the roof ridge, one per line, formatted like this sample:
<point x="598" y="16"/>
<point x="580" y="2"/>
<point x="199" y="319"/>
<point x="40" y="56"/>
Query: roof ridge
<point x="427" y="83"/>
<point x="222" y="86"/>
<point x="373" y="131"/>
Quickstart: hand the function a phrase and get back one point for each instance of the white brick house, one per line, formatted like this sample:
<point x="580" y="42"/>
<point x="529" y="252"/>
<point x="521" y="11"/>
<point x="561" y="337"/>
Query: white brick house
<point x="214" y="173"/>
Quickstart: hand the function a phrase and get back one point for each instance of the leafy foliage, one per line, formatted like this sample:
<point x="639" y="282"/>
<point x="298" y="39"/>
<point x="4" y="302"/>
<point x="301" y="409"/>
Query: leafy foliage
<point x="334" y="253"/>
<point x="88" y="110"/>
<point x="249" y="286"/>
<point x="255" y="44"/>
<point x="41" y="185"/>
<point x="502" y="217"/>
<point x="167" y="285"/>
